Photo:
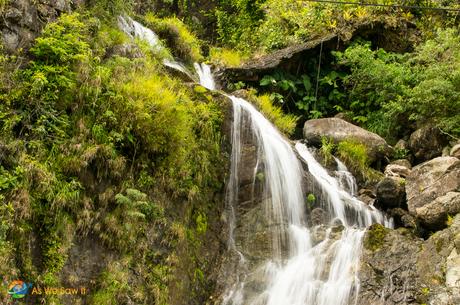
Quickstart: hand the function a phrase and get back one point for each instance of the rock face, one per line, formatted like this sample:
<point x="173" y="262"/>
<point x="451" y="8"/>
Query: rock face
<point x="388" y="268"/>
<point x="339" y="130"/>
<point x="391" y="193"/>
<point x="22" y="20"/>
<point x="428" y="184"/>
<point x="397" y="268"/>
<point x="434" y="214"/>
<point x="427" y="143"/>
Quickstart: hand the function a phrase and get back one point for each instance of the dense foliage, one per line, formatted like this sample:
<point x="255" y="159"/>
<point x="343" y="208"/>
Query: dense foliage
<point x="272" y="24"/>
<point x="103" y="148"/>
<point x="389" y="92"/>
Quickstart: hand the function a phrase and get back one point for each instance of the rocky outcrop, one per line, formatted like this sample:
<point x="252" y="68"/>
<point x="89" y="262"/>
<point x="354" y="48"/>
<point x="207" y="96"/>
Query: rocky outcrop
<point x="398" y="268"/>
<point x="434" y="215"/>
<point x="22" y="20"/>
<point x="339" y="130"/>
<point x="427" y="143"/>
<point x="427" y="186"/>
<point x="391" y="193"/>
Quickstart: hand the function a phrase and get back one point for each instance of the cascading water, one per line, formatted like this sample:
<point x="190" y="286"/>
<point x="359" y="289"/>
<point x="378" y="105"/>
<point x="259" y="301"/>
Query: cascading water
<point x="300" y="268"/>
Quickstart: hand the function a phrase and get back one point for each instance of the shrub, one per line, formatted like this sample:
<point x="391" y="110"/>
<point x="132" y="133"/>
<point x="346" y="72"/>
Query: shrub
<point x="354" y="155"/>
<point x="286" y="123"/>
<point x="226" y="57"/>
<point x="391" y="91"/>
<point x="179" y="38"/>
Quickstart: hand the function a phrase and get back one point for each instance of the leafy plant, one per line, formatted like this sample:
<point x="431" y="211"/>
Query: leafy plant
<point x="290" y="90"/>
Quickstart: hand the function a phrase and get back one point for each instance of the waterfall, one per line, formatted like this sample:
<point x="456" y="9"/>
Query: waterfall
<point x="303" y="264"/>
<point x="136" y="30"/>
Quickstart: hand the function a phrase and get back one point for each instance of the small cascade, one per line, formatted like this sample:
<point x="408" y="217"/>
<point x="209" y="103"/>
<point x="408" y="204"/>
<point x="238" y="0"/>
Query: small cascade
<point x="346" y="179"/>
<point x="136" y="30"/>
<point x="300" y="265"/>
<point x="205" y="75"/>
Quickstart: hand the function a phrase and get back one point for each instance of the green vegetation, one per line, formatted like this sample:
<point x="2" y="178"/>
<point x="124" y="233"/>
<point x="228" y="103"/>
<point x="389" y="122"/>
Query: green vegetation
<point x="286" y="123"/>
<point x="273" y="24"/>
<point x="354" y="155"/>
<point x="391" y="91"/>
<point x="375" y="237"/>
<point x="226" y="57"/>
<point x="107" y="148"/>
<point x="184" y="43"/>
<point x="300" y="94"/>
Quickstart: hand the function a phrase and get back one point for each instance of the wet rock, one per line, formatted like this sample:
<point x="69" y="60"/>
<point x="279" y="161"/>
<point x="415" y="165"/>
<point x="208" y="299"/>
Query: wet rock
<point x="318" y="216"/>
<point x="434" y="214"/>
<point x="391" y="193"/>
<point x="367" y="196"/>
<point x="455" y="151"/>
<point x="339" y="130"/>
<point x="431" y="180"/>
<point x="427" y="143"/>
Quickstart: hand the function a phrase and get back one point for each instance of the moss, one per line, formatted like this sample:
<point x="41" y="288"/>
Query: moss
<point x="375" y="237"/>
<point x="179" y="38"/>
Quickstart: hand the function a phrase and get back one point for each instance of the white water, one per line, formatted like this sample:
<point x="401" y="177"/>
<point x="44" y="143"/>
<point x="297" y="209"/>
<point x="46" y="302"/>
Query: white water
<point x="298" y="271"/>
<point x="136" y="30"/>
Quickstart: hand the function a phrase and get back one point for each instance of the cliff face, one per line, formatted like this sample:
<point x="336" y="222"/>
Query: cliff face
<point x="22" y="20"/>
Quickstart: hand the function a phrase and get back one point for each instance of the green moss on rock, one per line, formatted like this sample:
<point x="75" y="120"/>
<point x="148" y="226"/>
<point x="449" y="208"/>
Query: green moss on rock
<point x="375" y="237"/>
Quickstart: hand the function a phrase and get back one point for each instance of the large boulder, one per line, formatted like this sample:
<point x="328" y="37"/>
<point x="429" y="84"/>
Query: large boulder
<point x="339" y="130"/>
<point x="427" y="143"/>
<point x="391" y="193"/>
<point x="431" y="180"/>
<point x="434" y="215"/>
<point x="398" y="268"/>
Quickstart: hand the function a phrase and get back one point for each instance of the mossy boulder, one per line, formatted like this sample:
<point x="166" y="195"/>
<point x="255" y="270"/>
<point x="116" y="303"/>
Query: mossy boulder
<point x="339" y="130"/>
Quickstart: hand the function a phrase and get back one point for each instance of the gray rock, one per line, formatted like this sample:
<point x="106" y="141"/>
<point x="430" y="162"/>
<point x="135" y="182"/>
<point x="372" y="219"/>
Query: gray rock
<point x="388" y="272"/>
<point x="24" y="19"/>
<point x="396" y="170"/>
<point x="398" y="268"/>
<point x="431" y="180"/>
<point x="455" y="151"/>
<point x="318" y="216"/>
<point x="427" y="143"/>
<point x="391" y="193"/>
<point x="339" y="130"/>
<point x="434" y="214"/>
